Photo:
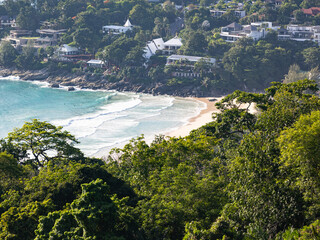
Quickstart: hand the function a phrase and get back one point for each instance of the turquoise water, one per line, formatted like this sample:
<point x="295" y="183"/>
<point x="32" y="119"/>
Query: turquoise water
<point x="99" y="119"/>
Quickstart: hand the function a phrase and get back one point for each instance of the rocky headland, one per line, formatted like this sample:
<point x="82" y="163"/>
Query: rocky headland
<point x="92" y="81"/>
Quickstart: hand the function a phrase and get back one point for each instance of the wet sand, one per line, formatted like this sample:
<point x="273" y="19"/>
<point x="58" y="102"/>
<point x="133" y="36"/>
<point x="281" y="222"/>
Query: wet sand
<point x="204" y="117"/>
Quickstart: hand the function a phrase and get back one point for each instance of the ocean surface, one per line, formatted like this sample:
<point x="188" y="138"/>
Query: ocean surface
<point x="100" y="120"/>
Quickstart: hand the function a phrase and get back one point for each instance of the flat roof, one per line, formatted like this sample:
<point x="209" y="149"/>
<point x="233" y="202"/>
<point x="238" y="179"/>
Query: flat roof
<point x="190" y="58"/>
<point x="95" y="61"/>
<point x="115" y="27"/>
<point x="52" y="31"/>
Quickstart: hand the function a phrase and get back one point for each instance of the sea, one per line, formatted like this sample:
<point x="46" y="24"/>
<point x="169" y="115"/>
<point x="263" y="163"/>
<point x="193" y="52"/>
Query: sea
<point x="100" y="120"/>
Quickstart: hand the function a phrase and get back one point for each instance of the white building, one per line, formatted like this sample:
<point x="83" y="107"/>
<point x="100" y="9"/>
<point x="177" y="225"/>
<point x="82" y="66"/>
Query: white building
<point x="113" y="29"/>
<point x="218" y="13"/>
<point x="95" y="63"/>
<point x="191" y="60"/>
<point x="185" y="65"/>
<point x="158" y="45"/>
<point x="67" y="50"/>
<point x="172" y="45"/>
<point x="256" y="31"/>
<point x="300" y="33"/>
<point x="153" y="46"/>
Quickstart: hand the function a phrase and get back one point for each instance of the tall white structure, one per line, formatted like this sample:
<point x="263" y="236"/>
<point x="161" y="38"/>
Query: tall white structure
<point x="114" y="29"/>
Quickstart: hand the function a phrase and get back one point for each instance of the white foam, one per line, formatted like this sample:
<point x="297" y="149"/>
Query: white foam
<point x="11" y="78"/>
<point x="127" y="116"/>
<point x="86" y="125"/>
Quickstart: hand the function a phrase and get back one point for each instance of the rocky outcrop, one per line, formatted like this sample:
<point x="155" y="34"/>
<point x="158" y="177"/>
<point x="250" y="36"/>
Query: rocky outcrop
<point x="95" y="82"/>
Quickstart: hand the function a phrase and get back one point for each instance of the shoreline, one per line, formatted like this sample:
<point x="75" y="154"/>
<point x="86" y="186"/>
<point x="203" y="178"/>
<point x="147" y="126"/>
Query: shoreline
<point x="204" y="117"/>
<point x="61" y="78"/>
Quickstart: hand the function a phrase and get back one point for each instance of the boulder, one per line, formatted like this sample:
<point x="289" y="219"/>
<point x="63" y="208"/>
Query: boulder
<point x="55" y="85"/>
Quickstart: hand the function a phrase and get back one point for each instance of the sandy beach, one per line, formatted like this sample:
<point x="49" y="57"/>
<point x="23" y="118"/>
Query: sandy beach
<point x="203" y="118"/>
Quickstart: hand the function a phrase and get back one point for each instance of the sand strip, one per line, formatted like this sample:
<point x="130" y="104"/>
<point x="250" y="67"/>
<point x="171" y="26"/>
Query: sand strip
<point x="203" y="118"/>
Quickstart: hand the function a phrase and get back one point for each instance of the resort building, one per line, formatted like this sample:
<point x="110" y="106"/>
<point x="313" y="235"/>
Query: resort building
<point x="114" y="29"/>
<point x="19" y="38"/>
<point x="48" y="37"/>
<point x="184" y="66"/>
<point x="218" y="13"/>
<point x="51" y="33"/>
<point x="256" y="31"/>
<point x="67" y="53"/>
<point x="159" y="46"/>
<point x="95" y="63"/>
<point x="171" y="46"/>
<point x="154" y="46"/>
<point x="300" y="33"/>
<point x="6" y="21"/>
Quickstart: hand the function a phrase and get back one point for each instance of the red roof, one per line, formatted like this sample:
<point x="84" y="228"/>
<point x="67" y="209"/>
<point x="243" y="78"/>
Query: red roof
<point x="311" y="11"/>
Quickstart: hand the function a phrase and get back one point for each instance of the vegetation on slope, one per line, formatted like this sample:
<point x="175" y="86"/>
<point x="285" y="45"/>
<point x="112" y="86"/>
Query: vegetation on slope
<point x="241" y="176"/>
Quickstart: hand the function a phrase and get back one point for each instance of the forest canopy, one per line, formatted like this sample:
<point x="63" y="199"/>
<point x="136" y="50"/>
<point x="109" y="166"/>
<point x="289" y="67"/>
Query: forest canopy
<point x="242" y="176"/>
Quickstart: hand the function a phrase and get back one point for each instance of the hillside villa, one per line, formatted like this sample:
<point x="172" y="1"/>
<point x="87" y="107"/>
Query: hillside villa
<point x="114" y="29"/>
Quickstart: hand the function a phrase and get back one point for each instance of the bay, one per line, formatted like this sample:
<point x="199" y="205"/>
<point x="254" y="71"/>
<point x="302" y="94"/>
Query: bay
<point x="100" y="120"/>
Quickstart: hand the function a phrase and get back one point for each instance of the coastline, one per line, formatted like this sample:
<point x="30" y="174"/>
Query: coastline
<point x="202" y="108"/>
<point x="204" y="117"/>
<point x="85" y="80"/>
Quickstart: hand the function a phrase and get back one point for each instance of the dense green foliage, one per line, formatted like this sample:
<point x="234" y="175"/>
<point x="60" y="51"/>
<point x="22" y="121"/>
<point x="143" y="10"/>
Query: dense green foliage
<point x="244" y="65"/>
<point x="242" y="176"/>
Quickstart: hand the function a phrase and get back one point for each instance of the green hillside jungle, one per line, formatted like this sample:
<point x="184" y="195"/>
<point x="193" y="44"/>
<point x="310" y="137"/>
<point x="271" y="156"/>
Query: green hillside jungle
<point x="242" y="176"/>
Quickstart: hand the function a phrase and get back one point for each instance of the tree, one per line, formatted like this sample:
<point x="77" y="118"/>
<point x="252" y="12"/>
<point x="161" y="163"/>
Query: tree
<point x="195" y="17"/>
<point x="311" y="57"/>
<point x="196" y="44"/>
<point x="13" y="7"/>
<point x="88" y="20"/>
<point x="179" y="179"/>
<point x="161" y="27"/>
<point x="135" y="56"/>
<point x="61" y="181"/>
<point x="50" y="51"/>
<point x="93" y="215"/>
<point x="300" y="153"/>
<point x="28" y="19"/>
<point x="294" y="74"/>
<point x="96" y="219"/>
<point x="310" y="3"/>
<point x="44" y="141"/>
<point x="20" y="222"/>
<point x="141" y="16"/>
<point x="86" y="39"/>
<point x="117" y="51"/>
<point x="299" y="16"/>
<point x="27" y="59"/>
<point x="8" y="54"/>
<point x="71" y="8"/>
<point x="256" y="65"/>
<point x="10" y="172"/>
<point x="41" y="54"/>
<point x="262" y="204"/>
